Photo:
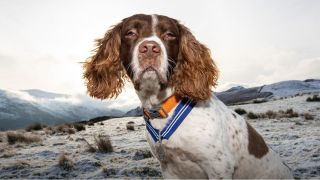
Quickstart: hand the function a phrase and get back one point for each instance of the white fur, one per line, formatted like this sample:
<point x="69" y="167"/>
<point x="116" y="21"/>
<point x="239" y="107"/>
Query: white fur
<point x="163" y="58"/>
<point x="149" y="97"/>
<point x="203" y="147"/>
<point x="154" y="23"/>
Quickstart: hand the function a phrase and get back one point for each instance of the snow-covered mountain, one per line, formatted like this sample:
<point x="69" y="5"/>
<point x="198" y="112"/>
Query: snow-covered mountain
<point x="21" y="108"/>
<point x="276" y="90"/>
<point x="239" y="94"/>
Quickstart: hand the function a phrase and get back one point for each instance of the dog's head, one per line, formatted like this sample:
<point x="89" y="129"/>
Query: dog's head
<point x="156" y="52"/>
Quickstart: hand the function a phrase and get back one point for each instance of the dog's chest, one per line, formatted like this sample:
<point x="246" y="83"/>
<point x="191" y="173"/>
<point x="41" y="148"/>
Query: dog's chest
<point x="185" y="154"/>
<point x="181" y="164"/>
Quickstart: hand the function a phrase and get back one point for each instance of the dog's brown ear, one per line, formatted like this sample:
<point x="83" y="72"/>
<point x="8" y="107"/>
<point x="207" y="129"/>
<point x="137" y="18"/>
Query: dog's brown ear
<point x="195" y="73"/>
<point x="103" y="72"/>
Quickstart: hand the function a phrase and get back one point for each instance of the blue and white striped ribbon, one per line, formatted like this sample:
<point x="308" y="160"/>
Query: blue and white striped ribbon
<point x="180" y="113"/>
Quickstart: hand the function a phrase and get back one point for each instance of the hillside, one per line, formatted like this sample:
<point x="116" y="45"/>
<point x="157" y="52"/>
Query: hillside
<point x="18" y="109"/>
<point x="237" y="95"/>
<point x="294" y="136"/>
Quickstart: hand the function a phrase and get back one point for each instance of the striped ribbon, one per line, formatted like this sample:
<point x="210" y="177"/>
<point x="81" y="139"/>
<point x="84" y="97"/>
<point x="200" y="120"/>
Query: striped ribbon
<point x="180" y="113"/>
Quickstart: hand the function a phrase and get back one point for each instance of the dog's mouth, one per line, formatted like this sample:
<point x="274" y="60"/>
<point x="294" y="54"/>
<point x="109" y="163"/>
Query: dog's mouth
<point x="150" y="75"/>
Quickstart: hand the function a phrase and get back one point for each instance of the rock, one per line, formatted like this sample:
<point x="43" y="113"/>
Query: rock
<point x="142" y="154"/>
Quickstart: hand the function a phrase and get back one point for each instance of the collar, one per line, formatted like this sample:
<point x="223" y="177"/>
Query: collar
<point x="163" y="110"/>
<point x="180" y="113"/>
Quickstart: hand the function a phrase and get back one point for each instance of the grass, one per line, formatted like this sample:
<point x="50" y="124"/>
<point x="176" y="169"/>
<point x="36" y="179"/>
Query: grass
<point x="90" y="147"/>
<point x="103" y="143"/>
<point x="271" y="114"/>
<point x="314" y="98"/>
<point x="252" y="115"/>
<point x="35" y="127"/>
<point x="130" y="126"/>
<point x="289" y="113"/>
<point x="79" y="126"/>
<point x="308" y="116"/>
<point x="240" y="111"/>
<point x="258" y="101"/>
<point x="14" y="137"/>
<point x="63" y="128"/>
<point x="65" y="163"/>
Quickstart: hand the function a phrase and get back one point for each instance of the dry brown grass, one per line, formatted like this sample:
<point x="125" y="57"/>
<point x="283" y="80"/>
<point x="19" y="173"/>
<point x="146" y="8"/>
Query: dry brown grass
<point x="65" y="163"/>
<point x="271" y="114"/>
<point x="240" y="111"/>
<point x="289" y="113"/>
<point x="91" y="148"/>
<point x="62" y="129"/>
<point x="14" y="137"/>
<point x="103" y="143"/>
<point x="79" y="126"/>
<point x="252" y="115"/>
<point x="35" y="127"/>
<point x="308" y="116"/>
<point x="314" y="98"/>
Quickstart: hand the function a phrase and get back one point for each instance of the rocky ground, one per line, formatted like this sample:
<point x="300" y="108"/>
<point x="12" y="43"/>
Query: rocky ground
<point x="296" y="139"/>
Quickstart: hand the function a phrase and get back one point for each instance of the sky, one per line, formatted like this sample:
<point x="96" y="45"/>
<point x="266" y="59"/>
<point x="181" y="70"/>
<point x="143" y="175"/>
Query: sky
<point x="253" y="42"/>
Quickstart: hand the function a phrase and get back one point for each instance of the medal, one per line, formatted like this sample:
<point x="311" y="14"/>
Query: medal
<point x="160" y="149"/>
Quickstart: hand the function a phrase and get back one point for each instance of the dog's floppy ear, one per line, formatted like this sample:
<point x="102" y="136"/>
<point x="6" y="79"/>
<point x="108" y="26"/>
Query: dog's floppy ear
<point x="103" y="72"/>
<point x="195" y="73"/>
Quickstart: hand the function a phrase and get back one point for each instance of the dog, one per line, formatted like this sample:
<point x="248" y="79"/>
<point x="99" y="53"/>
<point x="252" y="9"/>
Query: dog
<point x="190" y="131"/>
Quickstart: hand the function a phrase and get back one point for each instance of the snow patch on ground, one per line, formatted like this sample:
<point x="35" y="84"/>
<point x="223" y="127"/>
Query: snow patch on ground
<point x="296" y="140"/>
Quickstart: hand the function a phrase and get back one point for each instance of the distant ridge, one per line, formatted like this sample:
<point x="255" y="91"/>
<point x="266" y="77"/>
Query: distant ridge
<point x="240" y="94"/>
<point x="43" y="94"/>
<point x="19" y="109"/>
<point x="275" y="90"/>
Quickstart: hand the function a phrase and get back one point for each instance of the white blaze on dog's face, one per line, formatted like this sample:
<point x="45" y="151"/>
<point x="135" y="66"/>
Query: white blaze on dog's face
<point x="147" y="42"/>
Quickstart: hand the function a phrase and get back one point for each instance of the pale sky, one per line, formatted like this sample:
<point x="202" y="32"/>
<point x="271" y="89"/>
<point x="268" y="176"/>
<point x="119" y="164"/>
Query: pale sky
<point x="253" y="42"/>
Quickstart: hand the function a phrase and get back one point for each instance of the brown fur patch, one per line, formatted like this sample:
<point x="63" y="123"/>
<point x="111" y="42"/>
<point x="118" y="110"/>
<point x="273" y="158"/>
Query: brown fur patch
<point x="195" y="73"/>
<point x="256" y="145"/>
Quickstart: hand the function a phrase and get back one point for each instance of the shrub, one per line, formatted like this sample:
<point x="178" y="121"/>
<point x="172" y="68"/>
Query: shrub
<point x="314" y="98"/>
<point x="65" y="163"/>
<point x="308" y="116"/>
<point x="79" y="126"/>
<point x="13" y="137"/>
<point x="257" y="101"/>
<point x="252" y="115"/>
<point x="130" y="126"/>
<point x="90" y="124"/>
<point x="90" y="147"/>
<point x="290" y="113"/>
<point x="103" y="143"/>
<point x="35" y="127"/>
<point x="271" y="114"/>
<point x="240" y="111"/>
<point x="64" y="128"/>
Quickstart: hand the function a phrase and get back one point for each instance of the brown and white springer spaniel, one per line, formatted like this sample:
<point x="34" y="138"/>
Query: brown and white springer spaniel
<point x="165" y="61"/>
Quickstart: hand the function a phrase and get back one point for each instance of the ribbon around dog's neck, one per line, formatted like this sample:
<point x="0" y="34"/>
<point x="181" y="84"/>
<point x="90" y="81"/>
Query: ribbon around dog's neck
<point x="180" y="113"/>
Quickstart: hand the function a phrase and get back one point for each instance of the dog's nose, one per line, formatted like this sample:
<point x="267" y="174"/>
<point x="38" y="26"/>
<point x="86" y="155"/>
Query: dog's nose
<point x="149" y="47"/>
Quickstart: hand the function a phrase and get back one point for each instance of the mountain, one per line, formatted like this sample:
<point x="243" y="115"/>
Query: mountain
<point x="19" y="109"/>
<point x="134" y="112"/>
<point x="281" y="89"/>
<point x="240" y="94"/>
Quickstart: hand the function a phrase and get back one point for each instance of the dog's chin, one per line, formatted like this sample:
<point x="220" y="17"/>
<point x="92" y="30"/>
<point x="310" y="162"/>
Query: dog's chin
<point x="150" y="81"/>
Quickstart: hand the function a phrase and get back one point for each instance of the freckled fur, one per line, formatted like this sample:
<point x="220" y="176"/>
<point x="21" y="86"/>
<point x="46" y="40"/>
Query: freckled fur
<point x="212" y="142"/>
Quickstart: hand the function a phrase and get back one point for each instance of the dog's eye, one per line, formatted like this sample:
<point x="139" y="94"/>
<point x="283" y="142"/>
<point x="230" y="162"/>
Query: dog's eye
<point x="169" y="36"/>
<point x="131" y="34"/>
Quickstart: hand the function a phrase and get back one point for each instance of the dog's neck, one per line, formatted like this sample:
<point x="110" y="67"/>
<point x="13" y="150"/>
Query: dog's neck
<point x="153" y="99"/>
